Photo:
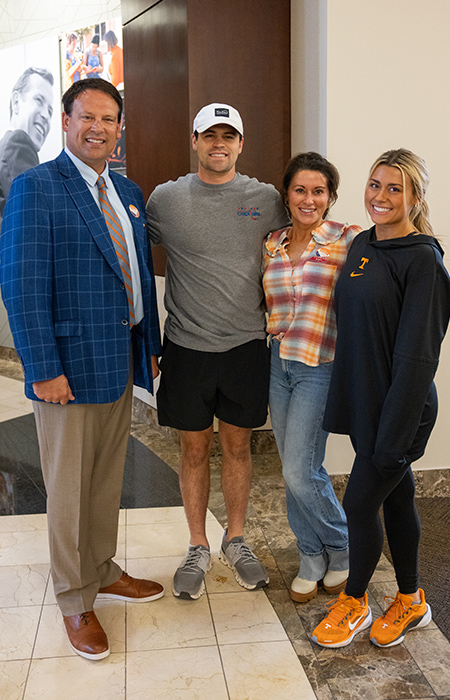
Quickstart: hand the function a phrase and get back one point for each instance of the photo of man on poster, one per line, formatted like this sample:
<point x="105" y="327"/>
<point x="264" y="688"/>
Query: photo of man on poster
<point x="30" y="114"/>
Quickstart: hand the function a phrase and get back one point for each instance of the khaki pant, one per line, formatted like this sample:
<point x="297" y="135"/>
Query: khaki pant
<point x="83" y="449"/>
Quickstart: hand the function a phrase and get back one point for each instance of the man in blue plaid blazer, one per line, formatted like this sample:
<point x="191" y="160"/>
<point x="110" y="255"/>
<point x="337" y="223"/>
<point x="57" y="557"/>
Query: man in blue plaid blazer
<point x="81" y="349"/>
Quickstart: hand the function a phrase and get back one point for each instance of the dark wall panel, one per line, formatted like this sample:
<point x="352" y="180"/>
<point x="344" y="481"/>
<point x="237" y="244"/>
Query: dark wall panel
<point x="132" y="8"/>
<point x="239" y="53"/>
<point x="157" y="95"/>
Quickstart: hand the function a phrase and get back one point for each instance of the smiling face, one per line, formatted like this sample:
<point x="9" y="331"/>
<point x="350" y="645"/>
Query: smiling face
<point x="32" y="109"/>
<point x="389" y="199"/>
<point x="92" y="128"/>
<point x="217" y="150"/>
<point x="307" y="199"/>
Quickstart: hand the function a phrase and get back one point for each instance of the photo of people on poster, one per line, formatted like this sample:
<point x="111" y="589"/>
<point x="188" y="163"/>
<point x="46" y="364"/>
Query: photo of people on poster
<point x="96" y="52"/>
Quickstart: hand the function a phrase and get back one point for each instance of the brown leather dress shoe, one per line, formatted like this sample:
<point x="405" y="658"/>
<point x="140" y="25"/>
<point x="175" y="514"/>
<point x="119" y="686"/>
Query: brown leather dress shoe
<point x="133" y="590"/>
<point x="86" y="635"/>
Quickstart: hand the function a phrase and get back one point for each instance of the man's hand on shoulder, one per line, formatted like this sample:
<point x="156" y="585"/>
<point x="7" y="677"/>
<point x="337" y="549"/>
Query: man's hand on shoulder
<point x="155" y="368"/>
<point x="55" y="390"/>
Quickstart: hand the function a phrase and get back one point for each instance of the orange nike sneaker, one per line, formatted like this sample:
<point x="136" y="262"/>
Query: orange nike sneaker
<point x="346" y="617"/>
<point x="400" y="617"/>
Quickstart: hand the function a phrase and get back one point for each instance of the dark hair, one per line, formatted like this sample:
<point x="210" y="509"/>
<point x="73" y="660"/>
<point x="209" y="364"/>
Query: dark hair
<point x="82" y="86"/>
<point x="316" y="162"/>
<point x="95" y="39"/>
<point x="111" y="39"/>
<point x="22" y="82"/>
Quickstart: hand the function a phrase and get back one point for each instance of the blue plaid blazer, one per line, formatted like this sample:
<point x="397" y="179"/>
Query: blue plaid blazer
<point x="62" y="285"/>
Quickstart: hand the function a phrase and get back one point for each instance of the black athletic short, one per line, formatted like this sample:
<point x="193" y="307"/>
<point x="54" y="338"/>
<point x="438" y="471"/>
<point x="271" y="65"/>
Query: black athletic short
<point x="196" y="386"/>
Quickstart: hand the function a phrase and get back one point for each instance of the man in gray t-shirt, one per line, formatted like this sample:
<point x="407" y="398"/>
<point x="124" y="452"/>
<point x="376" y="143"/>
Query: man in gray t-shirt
<point x="215" y="360"/>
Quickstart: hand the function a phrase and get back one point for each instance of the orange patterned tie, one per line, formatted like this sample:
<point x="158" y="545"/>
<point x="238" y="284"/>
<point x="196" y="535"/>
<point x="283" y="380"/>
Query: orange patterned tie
<point x="119" y="242"/>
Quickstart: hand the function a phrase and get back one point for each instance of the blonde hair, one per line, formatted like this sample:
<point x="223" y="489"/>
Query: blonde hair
<point x="415" y="169"/>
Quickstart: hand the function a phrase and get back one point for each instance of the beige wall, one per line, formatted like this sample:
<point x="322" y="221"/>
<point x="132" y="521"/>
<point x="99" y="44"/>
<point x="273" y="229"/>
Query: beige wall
<point x="386" y="75"/>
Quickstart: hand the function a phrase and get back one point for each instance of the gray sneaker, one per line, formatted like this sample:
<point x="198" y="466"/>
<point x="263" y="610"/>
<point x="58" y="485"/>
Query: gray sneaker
<point x="247" y="568"/>
<point x="189" y="579"/>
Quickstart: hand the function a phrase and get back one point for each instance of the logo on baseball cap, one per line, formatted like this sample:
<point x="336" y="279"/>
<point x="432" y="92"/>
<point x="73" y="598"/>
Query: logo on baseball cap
<point x="217" y="113"/>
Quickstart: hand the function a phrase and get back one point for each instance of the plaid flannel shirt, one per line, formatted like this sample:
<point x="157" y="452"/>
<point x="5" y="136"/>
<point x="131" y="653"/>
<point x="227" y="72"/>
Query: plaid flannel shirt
<point x="300" y="299"/>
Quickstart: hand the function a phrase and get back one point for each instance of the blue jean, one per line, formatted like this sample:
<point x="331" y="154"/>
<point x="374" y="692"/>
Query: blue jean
<point x="297" y="398"/>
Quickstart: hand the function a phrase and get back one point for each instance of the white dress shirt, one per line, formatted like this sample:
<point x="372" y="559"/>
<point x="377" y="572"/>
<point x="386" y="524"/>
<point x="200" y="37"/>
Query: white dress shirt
<point x="90" y="177"/>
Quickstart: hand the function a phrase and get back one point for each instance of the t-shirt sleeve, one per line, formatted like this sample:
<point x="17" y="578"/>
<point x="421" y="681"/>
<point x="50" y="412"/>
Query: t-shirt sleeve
<point x="280" y="215"/>
<point x="153" y="220"/>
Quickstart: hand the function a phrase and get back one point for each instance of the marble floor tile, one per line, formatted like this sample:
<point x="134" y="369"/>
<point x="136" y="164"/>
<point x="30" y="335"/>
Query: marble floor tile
<point x="362" y="670"/>
<point x="52" y="641"/>
<point x="260" y="671"/>
<point x="157" y="539"/>
<point x="7" y="382"/>
<point x="146" y="516"/>
<point x="166" y="539"/>
<point x="13" y="675"/>
<point x="24" y="548"/>
<point x="23" y="585"/>
<point x="245" y="617"/>
<point x="220" y="579"/>
<point x="8" y="413"/>
<point x="74" y="678"/>
<point x="159" y="569"/>
<point x="23" y="523"/>
<point x="176" y="674"/>
<point x="8" y="393"/>
<point x="288" y="616"/>
<point x="17" y="402"/>
<point x="431" y="652"/>
<point x="173" y="514"/>
<point x="18" y="631"/>
<point x="169" y="623"/>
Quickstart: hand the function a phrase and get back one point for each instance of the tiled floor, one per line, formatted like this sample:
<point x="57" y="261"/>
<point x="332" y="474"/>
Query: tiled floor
<point x="229" y="645"/>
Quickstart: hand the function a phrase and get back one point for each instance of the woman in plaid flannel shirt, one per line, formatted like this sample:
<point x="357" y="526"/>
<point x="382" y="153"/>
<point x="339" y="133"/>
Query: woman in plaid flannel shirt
<point x="302" y="264"/>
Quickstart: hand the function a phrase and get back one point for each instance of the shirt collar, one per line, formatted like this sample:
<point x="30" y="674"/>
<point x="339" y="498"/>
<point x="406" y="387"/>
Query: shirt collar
<point x="275" y="240"/>
<point x="86" y="172"/>
<point x="328" y="232"/>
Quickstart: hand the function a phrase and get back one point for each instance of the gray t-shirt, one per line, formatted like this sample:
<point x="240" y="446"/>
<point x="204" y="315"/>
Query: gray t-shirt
<point x="213" y="238"/>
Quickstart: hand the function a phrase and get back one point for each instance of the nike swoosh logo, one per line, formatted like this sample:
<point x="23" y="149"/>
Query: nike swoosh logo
<point x="352" y="625"/>
<point x="356" y="274"/>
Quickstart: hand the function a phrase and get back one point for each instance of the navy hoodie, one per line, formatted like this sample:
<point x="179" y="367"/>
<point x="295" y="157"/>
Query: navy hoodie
<point x="392" y="305"/>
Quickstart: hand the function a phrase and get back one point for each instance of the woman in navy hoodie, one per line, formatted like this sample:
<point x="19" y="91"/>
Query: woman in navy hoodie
<point x="392" y="305"/>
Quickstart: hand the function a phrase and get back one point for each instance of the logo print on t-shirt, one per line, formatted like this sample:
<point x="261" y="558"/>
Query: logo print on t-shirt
<point x="364" y="261"/>
<point x="253" y="212"/>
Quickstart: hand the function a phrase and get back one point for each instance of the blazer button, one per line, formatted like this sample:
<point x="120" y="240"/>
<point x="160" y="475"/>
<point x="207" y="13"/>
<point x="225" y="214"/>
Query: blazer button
<point x="124" y="322"/>
<point x="122" y="286"/>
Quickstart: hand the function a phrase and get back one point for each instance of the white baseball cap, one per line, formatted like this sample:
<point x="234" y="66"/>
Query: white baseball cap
<point x="217" y="113"/>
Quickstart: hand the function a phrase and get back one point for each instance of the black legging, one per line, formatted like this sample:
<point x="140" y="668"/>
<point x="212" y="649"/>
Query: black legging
<point x="366" y="493"/>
